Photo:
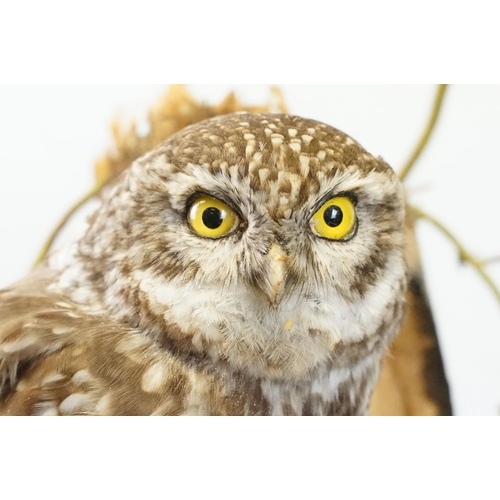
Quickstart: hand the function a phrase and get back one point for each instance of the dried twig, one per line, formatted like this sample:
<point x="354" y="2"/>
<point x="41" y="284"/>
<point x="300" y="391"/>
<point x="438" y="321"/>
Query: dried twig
<point x="50" y="240"/>
<point x="436" y="109"/>
<point x="492" y="260"/>
<point x="465" y="256"/>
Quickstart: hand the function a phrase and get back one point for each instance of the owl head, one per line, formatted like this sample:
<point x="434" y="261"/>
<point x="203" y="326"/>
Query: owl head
<point x="269" y="243"/>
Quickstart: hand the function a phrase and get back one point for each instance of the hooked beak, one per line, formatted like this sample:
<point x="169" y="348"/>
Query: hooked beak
<point x="276" y="269"/>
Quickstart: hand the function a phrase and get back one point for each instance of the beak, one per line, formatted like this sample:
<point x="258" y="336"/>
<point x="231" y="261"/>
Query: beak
<point x="276" y="268"/>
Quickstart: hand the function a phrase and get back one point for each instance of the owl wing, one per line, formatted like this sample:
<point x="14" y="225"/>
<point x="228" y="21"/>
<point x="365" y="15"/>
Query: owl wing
<point x="33" y="325"/>
<point x="413" y="380"/>
<point x="56" y="359"/>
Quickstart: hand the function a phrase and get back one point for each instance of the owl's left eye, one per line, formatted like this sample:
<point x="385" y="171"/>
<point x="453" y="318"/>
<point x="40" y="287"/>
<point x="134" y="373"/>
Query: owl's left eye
<point x="210" y="218"/>
<point x="336" y="219"/>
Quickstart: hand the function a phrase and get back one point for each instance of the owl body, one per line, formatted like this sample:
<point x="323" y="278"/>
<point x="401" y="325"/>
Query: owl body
<point x="251" y="265"/>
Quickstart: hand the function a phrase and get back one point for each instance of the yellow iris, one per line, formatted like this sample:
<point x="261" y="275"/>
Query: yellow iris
<point x="336" y="219"/>
<point x="211" y="218"/>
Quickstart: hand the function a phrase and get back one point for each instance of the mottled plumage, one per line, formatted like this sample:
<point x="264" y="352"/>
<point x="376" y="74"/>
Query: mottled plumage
<point x="148" y="317"/>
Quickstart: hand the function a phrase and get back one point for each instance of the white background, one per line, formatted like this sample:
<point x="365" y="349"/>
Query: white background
<point x="50" y="136"/>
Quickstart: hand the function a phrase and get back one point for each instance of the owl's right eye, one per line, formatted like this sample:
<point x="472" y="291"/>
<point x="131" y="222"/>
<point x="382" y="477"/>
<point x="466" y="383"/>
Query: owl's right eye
<point x="210" y="218"/>
<point x="336" y="219"/>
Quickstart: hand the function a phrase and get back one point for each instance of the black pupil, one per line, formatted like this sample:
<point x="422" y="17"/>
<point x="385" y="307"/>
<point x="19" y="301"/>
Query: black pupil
<point x="213" y="218"/>
<point x="333" y="216"/>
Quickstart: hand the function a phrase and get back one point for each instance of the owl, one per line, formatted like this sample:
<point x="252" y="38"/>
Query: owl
<point x="252" y="264"/>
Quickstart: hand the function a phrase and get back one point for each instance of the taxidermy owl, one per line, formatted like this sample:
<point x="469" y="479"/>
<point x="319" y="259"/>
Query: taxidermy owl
<point x="250" y="265"/>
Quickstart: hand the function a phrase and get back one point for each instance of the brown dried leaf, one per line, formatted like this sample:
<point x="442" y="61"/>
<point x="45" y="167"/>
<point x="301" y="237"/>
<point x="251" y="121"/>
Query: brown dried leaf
<point x="175" y="110"/>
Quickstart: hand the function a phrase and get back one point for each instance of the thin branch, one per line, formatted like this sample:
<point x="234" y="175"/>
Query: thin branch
<point x="492" y="260"/>
<point x="50" y="240"/>
<point x="464" y="254"/>
<point x="441" y="90"/>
